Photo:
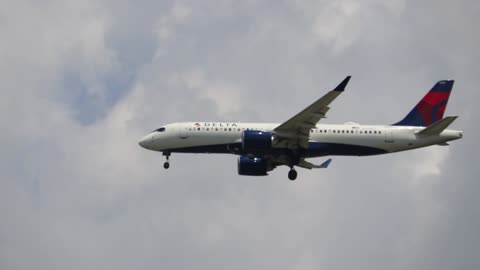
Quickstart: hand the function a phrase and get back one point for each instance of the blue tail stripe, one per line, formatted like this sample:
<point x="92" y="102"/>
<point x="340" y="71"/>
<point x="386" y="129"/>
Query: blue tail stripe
<point x="414" y="118"/>
<point x="443" y="86"/>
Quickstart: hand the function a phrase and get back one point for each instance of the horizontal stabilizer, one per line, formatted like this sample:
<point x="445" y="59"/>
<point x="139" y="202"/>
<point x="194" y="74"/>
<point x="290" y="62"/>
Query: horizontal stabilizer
<point x="326" y="163"/>
<point x="307" y="165"/>
<point x="437" y="127"/>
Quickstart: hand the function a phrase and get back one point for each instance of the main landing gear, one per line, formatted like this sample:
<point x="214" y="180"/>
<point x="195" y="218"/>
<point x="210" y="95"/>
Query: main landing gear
<point x="292" y="174"/>
<point x="166" y="165"/>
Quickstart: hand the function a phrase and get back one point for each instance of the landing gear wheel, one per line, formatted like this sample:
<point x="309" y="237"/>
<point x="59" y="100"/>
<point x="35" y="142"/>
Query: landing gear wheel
<point x="292" y="175"/>
<point x="166" y="165"/>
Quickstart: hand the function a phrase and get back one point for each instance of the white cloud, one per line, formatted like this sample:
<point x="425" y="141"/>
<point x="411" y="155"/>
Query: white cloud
<point x="338" y="25"/>
<point x="225" y="95"/>
<point x="424" y="165"/>
<point x="87" y="196"/>
<point x="180" y="13"/>
<point x="333" y="26"/>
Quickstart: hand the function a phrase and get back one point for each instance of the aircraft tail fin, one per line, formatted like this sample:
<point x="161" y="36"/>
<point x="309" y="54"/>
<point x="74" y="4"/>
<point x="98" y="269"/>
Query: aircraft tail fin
<point x="431" y="107"/>
<point x="437" y="127"/>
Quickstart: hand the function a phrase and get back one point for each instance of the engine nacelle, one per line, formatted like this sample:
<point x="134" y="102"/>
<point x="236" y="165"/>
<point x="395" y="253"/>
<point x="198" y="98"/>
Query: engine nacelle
<point x="256" y="141"/>
<point x="252" y="166"/>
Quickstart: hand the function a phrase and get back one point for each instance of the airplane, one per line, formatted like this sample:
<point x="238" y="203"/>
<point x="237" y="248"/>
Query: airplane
<point x="264" y="146"/>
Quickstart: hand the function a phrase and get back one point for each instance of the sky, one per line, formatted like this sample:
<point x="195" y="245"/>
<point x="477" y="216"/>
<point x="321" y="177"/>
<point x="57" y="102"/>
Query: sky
<point x="83" y="81"/>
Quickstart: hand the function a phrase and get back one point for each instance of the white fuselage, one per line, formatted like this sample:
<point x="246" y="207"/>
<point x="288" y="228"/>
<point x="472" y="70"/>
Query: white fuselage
<point x="263" y="146"/>
<point x="206" y="137"/>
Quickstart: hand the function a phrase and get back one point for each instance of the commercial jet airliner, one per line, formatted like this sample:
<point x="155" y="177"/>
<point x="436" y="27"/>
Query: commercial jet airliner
<point x="264" y="146"/>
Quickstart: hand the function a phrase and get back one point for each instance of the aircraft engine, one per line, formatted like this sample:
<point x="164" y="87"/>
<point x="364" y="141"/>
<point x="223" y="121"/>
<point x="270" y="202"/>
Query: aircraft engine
<point x="254" y="141"/>
<point x="252" y="166"/>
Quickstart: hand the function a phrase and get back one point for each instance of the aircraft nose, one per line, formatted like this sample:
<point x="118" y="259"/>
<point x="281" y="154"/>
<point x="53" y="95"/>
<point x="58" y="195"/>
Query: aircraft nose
<point x="146" y="142"/>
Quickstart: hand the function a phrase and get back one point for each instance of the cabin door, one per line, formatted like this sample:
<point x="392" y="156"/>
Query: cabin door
<point x="183" y="132"/>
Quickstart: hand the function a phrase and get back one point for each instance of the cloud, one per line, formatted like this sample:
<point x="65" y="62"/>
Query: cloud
<point x="179" y="14"/>
<point x="82" y="82"/>
<point x="226" y="97"/>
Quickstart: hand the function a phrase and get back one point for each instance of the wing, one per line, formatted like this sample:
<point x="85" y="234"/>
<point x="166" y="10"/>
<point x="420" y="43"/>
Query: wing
<point x="295" y="133"/>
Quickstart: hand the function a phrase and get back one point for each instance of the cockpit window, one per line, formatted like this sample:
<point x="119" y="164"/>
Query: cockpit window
<point x="162" y="129"/>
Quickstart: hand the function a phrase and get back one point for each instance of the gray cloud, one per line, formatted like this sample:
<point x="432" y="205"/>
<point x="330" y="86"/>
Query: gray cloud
<point x="82" y="82"/>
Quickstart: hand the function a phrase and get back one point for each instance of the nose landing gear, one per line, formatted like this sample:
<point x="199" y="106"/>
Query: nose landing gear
<point x="166" y="165"/>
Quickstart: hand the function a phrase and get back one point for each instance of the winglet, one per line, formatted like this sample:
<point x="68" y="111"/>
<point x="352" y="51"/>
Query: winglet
<point x="326" y="163"/>
<point x="342" y="85"/>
